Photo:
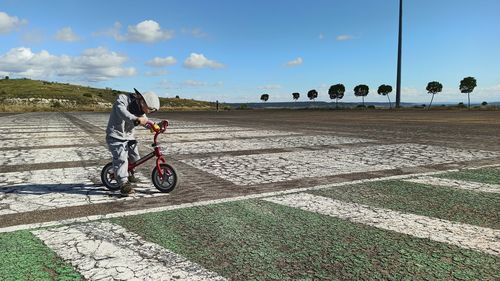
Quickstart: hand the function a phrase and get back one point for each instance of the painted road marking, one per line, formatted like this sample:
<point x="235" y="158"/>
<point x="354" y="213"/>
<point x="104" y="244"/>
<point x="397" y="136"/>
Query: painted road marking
<point x="68" y="129"/>
<point x="258" y="144"/>
<point x="463" y="235"/>
<point x="105" y="251"/>
<point x="44" y="135"/>
<point x="58" y="188"/>
<point x="49" y="155"/>
<point x="276" y="167"/>
<point x="201" y="203"/>
<point x="33" y="142"/>
<point x="467" y="185"/>
<point x="226" y="135"/>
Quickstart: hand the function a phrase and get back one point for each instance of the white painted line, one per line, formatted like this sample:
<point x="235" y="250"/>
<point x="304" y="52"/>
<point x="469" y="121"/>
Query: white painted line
<point x="105" y="251"/>
<point x="277" y="167"/>
<point x="467" y="185"/>
<point x="196" y="204"/>
<point x="259" y="144"/>
<point x="463" y="235"/>
<point x="34" y="142"/>
<point x="227" y="135"/>
<point x="173" y="130"/>
<point x="49" y="155"/>
<point x="35" y="126"/>
<point x="31" y="136"/>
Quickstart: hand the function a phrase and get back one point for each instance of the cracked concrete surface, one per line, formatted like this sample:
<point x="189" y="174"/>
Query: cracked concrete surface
<point x="258" y="144"/>
<point x="105" y="251"/>
<point x="48" y="155"/>
<point x="58" y="188"/>
<point x="463" y="235"/>
<point x="102" y="251"/>
<point x="173" y="137"/>
<point x="33" y="142"/>
<point x="276" y="167"/>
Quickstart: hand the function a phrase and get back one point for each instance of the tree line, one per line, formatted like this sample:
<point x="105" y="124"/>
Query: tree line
<point x="337" y="91"/>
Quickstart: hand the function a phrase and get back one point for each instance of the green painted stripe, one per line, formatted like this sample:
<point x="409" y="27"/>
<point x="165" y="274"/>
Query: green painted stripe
<point x="485" y="175"/>
<point x="24" y="257"/>
<point x="475" y="208"/>
<point x="258" y="240"/>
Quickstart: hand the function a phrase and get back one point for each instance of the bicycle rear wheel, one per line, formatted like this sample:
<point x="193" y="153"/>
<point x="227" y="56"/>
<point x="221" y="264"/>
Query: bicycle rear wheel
<point x="108" y="177"/>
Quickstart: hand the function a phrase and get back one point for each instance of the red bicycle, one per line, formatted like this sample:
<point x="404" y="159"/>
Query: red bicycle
<point x="164" y="176"/>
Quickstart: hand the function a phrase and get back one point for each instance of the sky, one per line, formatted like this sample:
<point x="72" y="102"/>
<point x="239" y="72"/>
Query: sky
<point x="236" y="50"/>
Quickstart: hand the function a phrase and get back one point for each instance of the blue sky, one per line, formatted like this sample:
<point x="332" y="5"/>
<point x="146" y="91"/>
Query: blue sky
<point x="234" y="51"/>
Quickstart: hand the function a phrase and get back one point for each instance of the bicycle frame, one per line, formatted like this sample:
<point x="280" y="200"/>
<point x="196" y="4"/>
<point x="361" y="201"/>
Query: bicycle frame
<point x="155" y="153"/>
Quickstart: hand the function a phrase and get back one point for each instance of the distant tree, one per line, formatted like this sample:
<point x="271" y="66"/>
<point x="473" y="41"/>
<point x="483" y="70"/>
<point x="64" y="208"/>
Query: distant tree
<point x="336" y="92"/>
<point x="385" y="90"/>
<point x="6" y="77"/>
<point x="296" y="96"/>
<point x="467" y="85"/>
<point x="433" y="88"/>
<point x="264" y="97"/>
<point x="484" y="103"/>
<point x="361" y="91"/>
<point x="177" y="97"/>
<point x="312" y="94"/>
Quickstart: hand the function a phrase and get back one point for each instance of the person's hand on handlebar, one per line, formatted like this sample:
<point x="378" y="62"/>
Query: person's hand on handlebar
<point x="143" y="120"/>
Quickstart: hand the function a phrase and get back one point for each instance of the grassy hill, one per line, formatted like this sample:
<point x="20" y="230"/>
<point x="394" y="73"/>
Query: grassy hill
<point x="18" y="95"/>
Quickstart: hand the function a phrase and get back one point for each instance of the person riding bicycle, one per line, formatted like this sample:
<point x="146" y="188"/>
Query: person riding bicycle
<point x="128" y="111"/>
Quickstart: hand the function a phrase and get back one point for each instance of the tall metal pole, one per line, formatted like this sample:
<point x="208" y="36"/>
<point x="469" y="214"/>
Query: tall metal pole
<point x="398" y="79"/>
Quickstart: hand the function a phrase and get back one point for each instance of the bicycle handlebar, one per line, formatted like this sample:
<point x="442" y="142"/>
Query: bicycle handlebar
<point x="154" y="127"/>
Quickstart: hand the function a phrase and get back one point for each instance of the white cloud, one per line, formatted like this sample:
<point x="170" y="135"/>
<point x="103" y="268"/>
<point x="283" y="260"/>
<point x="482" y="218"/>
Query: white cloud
<point x="344" y="37"/>
<point x="295" y="62"/>
<point x="409" y="91"/>
<point x="66" y="34"/>
<point x="195" y="32"/>
<point x="159" y="62"/>
<point x="495" y="88"/>
<point x="321" y="36"/>
<point x="112" y="32"/>
<point x="92" y="65"/>
<point x="194" y="83"/>
<point x="270" y="87"/>
<point x="165" y="84"/>
<point x="160" y="72"/>
<point x="9" y="23"/>
<point x="148" y="31"/>
<point x="200" y="61"/>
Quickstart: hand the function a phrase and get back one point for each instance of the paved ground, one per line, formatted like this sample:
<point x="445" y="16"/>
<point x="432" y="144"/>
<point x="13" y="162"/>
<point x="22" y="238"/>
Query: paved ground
<point x="50" y="165"/>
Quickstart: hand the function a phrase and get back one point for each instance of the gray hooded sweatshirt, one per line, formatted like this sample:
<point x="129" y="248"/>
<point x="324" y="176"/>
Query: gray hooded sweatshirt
<point x="121" y="121"/>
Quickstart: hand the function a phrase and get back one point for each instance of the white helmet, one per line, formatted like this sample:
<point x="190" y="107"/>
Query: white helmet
<point x="152" y="101"/>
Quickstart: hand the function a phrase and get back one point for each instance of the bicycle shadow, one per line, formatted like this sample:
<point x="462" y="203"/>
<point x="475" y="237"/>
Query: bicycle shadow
<point x="68" y="190"/>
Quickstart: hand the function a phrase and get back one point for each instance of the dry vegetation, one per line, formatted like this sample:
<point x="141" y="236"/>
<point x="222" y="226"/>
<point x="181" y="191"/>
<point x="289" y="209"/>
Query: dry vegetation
<point x="21" y="95"/>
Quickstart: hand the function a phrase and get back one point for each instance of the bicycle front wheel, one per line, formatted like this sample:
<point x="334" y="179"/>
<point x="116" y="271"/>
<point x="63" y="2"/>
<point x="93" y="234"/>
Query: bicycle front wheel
<point x="169" y="180"/>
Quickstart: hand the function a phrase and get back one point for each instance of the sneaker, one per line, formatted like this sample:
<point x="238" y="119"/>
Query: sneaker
<point x="126" y="189"/>
<point x="132" y="179"/>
